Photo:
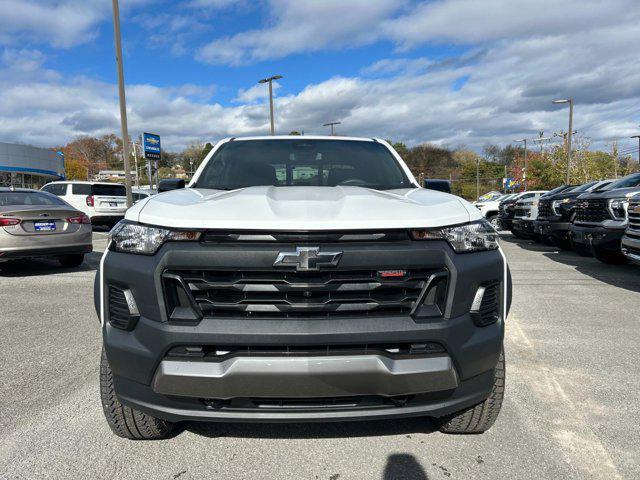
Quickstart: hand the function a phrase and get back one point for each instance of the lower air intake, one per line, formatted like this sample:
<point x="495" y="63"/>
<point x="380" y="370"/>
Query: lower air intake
<point x="486" y="306"/>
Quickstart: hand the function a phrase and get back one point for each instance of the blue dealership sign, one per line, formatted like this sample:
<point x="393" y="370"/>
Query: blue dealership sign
<point x="151" y="144"/>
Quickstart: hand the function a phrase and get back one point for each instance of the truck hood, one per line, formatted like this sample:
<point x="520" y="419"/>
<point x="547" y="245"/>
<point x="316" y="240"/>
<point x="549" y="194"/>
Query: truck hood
<point x="302" y="209"/>
<point x="617" y="193"/>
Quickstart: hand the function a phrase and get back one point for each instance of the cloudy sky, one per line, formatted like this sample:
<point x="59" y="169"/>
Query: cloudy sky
<point x="452" y="72"/>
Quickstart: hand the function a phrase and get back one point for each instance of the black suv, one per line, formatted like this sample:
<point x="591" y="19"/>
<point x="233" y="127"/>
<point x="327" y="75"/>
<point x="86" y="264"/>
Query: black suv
<point x="556" y="212"/>
<point x="601" y="219"/>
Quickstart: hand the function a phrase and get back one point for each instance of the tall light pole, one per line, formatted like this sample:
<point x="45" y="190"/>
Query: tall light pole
<point x="123" y="102"/>
<point x="477" y="178"/>
<point x="135" y="159"/>
<point x="570" y="102"/>
<point x="638" y="137"/>
<point x="331" y="124"/>
<point x="525" y="162"/>
<point x="270" y="82"/>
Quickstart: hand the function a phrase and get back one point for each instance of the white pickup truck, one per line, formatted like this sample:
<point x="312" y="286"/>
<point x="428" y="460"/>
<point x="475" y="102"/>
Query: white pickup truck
<point x="301" y="279"/>
<point x="490" y="209"/>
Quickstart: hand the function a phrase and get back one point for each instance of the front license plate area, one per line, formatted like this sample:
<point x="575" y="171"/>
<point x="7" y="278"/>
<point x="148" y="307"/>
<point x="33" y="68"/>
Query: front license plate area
<point x="44" y="226"/>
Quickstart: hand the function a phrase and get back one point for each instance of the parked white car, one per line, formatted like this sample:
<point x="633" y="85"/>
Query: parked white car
<point x="491" y="208"/>
<point x="138" y="194"/>
<point x="104" y="203"/>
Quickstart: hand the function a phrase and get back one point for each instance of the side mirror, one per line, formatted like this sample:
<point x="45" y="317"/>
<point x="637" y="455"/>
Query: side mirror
<point x="170" y="184"/>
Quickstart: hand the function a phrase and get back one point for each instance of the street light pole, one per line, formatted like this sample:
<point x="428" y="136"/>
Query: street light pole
<point x="569" y="134"/>
<point x="123" y="102"/>
<point x="270" y="82"/>
<point x="525" y="163"/>
<point x="638" y="137"/>
<point x="331" y="124"/>
<point x="478" y="178"/>
<point x="135" y="159"/>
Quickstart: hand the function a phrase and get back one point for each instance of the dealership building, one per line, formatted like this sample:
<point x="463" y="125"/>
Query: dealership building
<point x="29" y="167"/>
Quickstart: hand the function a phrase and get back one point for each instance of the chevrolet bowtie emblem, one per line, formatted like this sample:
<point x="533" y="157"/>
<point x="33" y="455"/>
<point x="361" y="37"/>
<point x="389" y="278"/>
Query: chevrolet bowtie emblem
<point x="307" y="258"/>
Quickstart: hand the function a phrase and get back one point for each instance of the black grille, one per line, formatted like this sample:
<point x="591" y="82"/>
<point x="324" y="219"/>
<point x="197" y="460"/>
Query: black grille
<point x="522" y="212"/>
<point x="320" y="294"/>
<point x="507" y="210"/>
<point x="633" y="230"/>
<point x="489" y="307"/>
<point x="119" y="315"/>
<point x="593" y="210"/>
<point x="544" y="209"/>
<point x="223" y="352"/>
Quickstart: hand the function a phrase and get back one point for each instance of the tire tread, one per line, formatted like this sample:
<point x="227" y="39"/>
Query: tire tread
<point x="480" y="417"/>
<point x="125" y="421"/>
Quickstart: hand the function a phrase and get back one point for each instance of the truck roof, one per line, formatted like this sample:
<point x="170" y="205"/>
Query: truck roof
<point x="301" y="137"/>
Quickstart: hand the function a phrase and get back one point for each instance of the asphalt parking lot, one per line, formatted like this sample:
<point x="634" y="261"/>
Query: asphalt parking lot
<point x="572" y="407"/>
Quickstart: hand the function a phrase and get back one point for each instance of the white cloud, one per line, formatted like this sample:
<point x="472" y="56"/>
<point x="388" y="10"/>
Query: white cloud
<point x="512" y="74"/>
<point x="472" y="21"/>
<point x="257" y="92"/>
<point x="60" y="23"/>
<point x="303" y="26"/>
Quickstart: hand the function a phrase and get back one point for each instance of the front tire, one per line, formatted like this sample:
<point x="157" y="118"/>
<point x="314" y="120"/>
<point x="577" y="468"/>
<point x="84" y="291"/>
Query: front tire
<point x="494" y="220"/>
<point x="564" y="243"/>
<point x="610" y="257"/>
<point x="480" y="417"/>
<point x="581" y="249"/>
<point x="125" y="421"/>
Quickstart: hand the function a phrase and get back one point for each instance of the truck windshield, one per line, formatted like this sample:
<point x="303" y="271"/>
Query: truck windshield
<point x="584" y="187"/>
<point x="302" y="162"/>
<point x="625" y="182"/>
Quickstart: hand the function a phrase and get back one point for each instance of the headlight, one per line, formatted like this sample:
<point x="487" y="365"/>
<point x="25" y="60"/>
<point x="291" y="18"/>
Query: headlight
<point x="133" y="238"/>
<point x="618" y="208"/>
<point x="470" y="237"/>
<point x="555" y="205"/>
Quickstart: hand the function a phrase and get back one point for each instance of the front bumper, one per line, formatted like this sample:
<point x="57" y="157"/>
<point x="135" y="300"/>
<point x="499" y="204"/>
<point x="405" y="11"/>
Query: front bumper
<point x="106" y="218"/>
<point x="597" y="237"/>
<point x="631" y="248"/>
<point x="45" y="252"/>
<point x="523" y="226"/>
<point x="554" y="227"/>
<point x="147" y="379"/>
<point x="305" y="377"/>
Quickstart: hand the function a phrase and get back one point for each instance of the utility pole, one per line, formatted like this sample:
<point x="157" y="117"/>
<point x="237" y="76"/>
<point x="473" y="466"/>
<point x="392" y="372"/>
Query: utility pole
<point x="524" y="175"/>
<point x="331" y="124"/>
<point x="135" y="159"/>
<point x="638" y="137"/>
<point x="478" y="178"/>
<point x="123" y="102"/>
<point x="570" y="102"/>
<point x="270" y="82"/>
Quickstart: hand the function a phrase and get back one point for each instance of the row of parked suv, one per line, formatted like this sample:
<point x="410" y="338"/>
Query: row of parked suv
<point x="599" y="218"/>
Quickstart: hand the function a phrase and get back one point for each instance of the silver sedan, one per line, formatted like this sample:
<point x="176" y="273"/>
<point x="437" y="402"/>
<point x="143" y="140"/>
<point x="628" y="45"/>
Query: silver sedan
<point x="39" y="224"/>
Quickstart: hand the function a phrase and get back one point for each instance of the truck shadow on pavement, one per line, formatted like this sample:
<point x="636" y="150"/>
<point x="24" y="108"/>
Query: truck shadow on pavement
<point x="46" y="266"/>
<point x="369" y="428"/>
<point x="622" y="276"/>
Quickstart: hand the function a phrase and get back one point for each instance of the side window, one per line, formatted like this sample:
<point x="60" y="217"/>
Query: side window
<point x="526" y="195"/>
<point x="81" y="189"/>
<point x="56" y="188"/>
